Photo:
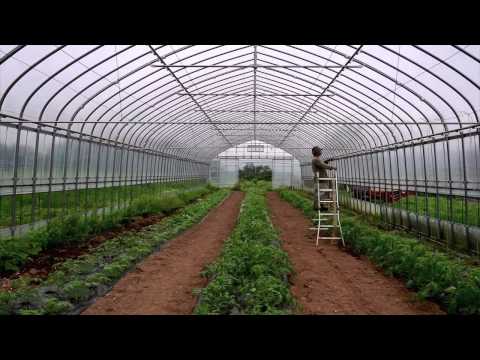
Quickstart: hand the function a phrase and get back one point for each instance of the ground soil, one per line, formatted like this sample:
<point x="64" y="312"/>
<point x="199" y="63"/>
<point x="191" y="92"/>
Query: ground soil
<point x="164" y="282"/>
<point x="42" y="264"/>
<point x="328" y="280"/>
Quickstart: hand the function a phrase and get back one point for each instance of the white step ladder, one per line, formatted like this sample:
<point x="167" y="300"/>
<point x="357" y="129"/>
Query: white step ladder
<point x="333" y="213"/>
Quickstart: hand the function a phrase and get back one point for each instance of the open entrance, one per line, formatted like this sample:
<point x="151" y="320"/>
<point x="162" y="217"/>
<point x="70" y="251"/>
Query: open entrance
<point x="255" y="160"/>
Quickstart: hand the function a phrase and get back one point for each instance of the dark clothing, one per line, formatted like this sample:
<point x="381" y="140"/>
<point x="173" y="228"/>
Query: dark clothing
<point x="320" y="167"/>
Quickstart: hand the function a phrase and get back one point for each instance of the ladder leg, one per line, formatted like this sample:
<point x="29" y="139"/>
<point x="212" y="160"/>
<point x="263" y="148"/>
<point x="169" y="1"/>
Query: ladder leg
<point x="341" y="233"/>
<point x="335" y="209"/>
<point x="335" y="223"/>
<point x="338" y="210"/>
<point x="319" y="213"/>
<point x="318" y="229"/>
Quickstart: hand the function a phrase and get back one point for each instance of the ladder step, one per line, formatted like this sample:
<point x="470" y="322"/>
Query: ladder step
<point x="322" y="228"/>
<point x="330" y="237"/>
<point x="331" y="179"/>
<point x="327" y="201"/>
<point x="330" y="214"/>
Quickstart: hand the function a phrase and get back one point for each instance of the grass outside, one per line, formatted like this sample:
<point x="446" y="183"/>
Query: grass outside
<point x="469" y="214"/>
<point x="71" y="201"/>
<point x="436" y="207"/>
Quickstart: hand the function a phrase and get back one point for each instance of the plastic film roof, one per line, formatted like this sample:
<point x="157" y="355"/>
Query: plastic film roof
<point x="196" y="101"/>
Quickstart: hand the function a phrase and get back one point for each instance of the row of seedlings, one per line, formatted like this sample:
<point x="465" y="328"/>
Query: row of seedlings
<point x="251" y="275"/>
<point x="73" y="285"/>
<point x="448" y="280"/>
<point x="77" y="228"/>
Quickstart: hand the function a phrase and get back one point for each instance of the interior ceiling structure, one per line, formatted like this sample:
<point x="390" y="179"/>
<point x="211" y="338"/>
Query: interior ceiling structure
<point x="196" y="101"/>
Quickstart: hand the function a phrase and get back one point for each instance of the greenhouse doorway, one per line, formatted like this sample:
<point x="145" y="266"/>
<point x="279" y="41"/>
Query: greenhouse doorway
<point x="255" y="160"/>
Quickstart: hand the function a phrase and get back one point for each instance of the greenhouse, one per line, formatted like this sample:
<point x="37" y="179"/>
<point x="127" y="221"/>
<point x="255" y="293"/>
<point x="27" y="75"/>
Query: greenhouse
<point x="167" y="167"/>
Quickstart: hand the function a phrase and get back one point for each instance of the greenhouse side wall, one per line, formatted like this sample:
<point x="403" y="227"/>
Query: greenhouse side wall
<point x="223" y="172"/>
<point x="430" y="187"/>
<point x="286" y="173"/>
<point x="46" y="174"/>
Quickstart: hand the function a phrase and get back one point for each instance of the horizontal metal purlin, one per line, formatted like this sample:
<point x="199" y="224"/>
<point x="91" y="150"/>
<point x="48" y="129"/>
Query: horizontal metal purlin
<point x="282" y="148"/>
<point x="86" y="182"/>
<point x="252" y="156"/>
<point x="18" y="120"/>
<point x="251" y="129"/>
<point x="425" y="140"/>
<point x="86" y="137"/>
<point x="262" y="95"/>
<point x="259" y="111"/>
<point x="45" y="123"/>
<point x="249" y="135"/>
<point x="260" y="66"/>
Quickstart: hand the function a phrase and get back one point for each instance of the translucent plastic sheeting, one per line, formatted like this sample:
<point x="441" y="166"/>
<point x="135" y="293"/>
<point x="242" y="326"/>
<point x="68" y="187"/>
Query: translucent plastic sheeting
<point x="394" y="119"/>
<point x="224" y="172"/>
<point x="286" y="173"/>
<point x="179" y="98"/>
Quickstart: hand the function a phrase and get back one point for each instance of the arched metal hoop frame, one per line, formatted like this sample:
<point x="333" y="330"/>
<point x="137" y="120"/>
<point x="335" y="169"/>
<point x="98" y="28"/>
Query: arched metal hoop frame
<point x="177" y="107"/>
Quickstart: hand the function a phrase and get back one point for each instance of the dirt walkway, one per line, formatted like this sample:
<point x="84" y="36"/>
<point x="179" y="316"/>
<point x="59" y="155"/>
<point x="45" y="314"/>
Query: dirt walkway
<point x="331" y="281"/>
<point x="163" y="283"/>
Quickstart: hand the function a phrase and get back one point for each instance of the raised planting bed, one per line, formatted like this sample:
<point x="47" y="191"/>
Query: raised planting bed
<point x="74" y="231"/>
<point x="435" y="275"/>
<point x="251" y="275"/>
<point x="76" y="282"/>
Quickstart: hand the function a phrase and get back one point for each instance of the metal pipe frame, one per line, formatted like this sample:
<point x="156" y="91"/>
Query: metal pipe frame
<point x="362" y="65"/>
<point x="148" y="114"/>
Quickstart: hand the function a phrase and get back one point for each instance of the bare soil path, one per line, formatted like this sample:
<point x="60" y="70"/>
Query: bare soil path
<point x="163" y="283"/>
<point x="328" y="280"/>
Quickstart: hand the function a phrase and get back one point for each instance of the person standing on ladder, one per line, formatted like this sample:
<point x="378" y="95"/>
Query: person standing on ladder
<point x="319" y="169"/>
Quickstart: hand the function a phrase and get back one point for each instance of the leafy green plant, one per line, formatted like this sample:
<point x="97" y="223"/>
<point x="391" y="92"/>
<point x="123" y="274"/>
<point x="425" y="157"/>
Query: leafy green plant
<point x="7" y="300"/>
<point x="56" y="307"/>
<point x="76" y="290"/>
<point x="31" y="312"/>
<point x="97" y="279"/>
<point x="14" y="252"/>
